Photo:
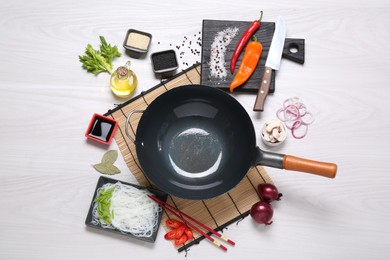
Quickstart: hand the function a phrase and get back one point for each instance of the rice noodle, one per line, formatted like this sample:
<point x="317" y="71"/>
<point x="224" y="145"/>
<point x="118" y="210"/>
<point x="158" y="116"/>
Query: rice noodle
<point x="133" y="211"/>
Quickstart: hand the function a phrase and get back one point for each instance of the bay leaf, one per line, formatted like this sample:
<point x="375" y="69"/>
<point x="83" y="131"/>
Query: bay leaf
<point x="106" y="168"/>
<point x="110" y="157"/>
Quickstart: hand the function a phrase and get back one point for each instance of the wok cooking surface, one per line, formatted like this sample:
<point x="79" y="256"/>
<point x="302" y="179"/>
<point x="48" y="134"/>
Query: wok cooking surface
<point x="193" y="142"/>
<point x="195" y="147"/>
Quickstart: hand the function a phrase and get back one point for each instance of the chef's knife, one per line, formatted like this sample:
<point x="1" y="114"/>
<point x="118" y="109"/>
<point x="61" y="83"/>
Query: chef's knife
<point x="272" y="62"/>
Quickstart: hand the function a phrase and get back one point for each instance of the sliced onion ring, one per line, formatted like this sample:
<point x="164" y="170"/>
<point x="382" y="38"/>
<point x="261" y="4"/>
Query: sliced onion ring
<point x="295" y="115"/>
<point x="291" y="101"/>
<point x="280" y="115"/>
<point x="296" y="125"/>
<point x="307" y="119"/>
<point x="291" y="113"/>
<point x="302" y="109"/>
<point x="290" y="124"/>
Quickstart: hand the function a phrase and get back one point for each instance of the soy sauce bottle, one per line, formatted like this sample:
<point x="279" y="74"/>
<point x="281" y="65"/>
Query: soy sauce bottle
<point x="123" y="81"/>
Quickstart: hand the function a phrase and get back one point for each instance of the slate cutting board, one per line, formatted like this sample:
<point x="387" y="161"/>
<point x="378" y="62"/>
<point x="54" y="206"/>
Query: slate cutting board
<point x="264" y="35"/>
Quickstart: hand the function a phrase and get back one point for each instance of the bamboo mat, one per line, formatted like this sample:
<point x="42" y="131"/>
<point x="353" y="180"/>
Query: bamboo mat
<point x="216" y="213"/>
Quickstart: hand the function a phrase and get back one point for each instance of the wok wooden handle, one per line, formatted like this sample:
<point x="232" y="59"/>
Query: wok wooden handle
<point x="324" y="169"/>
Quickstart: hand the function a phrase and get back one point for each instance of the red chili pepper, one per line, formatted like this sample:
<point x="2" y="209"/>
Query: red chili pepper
<point x="189" y="233"/>
<point x="243" y="40"/>
<point x="181" y="240"/>
<point x="171" y="235"/>
<point x="173" y="223"/>
<point x="175" y="233"/>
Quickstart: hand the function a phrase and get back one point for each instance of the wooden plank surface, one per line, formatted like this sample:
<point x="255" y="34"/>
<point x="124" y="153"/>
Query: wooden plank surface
<point x="47" y="100"/>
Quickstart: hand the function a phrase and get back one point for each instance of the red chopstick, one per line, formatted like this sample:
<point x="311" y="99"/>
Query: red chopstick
<point x="176" y="212"/>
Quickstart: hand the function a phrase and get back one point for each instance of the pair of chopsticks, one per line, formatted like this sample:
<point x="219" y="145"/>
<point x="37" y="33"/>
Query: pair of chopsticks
<point x="181" y="216"/>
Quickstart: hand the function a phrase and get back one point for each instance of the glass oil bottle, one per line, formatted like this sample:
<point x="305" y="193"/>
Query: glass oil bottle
<point x="123" y="81"/>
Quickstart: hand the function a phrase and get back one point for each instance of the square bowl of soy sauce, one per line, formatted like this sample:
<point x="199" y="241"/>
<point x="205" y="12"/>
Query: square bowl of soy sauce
<point x="101" y="129"/>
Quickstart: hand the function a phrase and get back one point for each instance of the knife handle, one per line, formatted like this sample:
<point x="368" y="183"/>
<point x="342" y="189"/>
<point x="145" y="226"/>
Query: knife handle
<point x="263" y="90"/>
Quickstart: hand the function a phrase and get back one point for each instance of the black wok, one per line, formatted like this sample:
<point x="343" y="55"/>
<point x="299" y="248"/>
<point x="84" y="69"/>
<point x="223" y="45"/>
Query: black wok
<point x="198" y="142"/>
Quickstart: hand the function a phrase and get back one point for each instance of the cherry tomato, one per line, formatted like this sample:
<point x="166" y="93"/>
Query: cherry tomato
<point x="173" y="223"/>
<point x="175" y="233"/>
<point x="181" y="240"/>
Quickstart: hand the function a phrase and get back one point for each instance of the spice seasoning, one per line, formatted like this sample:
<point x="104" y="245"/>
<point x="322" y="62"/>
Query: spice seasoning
<point x="188" y="49"/>
<point x="137" y="43"/>
<point x="137" y="40"/>
<point x="218" y="51"/>
<point x="164" y="62"/>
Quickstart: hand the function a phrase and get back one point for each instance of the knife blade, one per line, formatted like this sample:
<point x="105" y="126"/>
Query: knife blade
<point x="272" y="63"/>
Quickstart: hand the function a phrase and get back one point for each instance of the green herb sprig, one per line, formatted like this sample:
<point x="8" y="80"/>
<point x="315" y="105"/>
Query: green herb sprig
<point x="97" y="61"/>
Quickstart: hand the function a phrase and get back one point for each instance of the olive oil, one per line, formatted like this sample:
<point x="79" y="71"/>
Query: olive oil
<point x="123" y="81"/>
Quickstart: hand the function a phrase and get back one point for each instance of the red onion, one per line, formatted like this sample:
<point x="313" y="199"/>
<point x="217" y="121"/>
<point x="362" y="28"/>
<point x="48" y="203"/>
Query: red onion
<point x="268" y="192"/>
<point x="262" y="212"/>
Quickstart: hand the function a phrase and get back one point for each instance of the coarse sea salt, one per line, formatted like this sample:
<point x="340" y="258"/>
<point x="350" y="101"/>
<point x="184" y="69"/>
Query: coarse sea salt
<point x="218" y="51"/>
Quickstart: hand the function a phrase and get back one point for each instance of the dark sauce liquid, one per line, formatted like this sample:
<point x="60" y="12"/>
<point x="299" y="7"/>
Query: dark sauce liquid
<point x="101" y="129"/>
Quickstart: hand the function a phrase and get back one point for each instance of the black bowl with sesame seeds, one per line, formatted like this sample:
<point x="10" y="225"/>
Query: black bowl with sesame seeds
<point x="164" y="63"/>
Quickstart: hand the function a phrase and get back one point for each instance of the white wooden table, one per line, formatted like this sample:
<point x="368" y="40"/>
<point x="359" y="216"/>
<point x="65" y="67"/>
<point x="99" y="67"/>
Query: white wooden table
<point x="47" y="100"/>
